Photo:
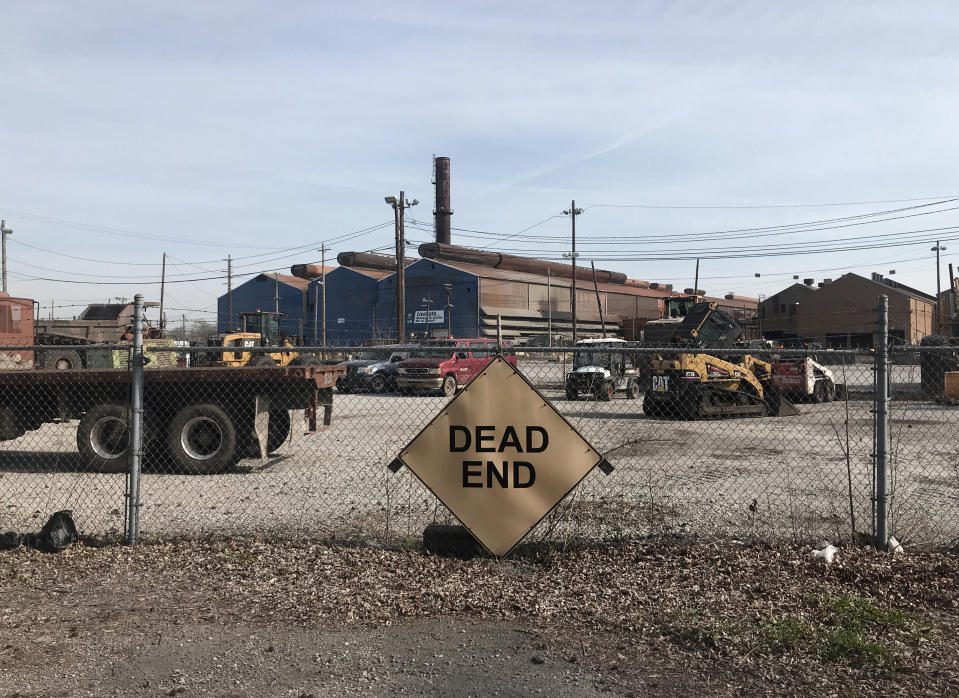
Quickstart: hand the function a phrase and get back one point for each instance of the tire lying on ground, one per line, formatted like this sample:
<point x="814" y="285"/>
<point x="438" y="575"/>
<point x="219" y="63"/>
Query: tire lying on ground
<point x="103" y="438"/>
<point x="61" y="359"/>
<point x="262" y="360"/>
<point x="202" y="440"/>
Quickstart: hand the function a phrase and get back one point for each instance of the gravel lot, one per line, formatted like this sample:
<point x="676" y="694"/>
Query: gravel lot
<point x="656" y="617"/>
<point x="770" y="478"/>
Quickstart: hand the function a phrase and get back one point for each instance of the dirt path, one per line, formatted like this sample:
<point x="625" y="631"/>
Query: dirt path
<point x="252" y="619"/>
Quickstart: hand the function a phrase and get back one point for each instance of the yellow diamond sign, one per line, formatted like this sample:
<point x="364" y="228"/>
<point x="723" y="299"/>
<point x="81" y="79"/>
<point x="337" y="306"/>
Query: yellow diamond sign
<point x="500" y="457"/>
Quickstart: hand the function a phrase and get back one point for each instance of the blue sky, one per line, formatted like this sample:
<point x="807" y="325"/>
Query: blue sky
<point x="249" y="128"/>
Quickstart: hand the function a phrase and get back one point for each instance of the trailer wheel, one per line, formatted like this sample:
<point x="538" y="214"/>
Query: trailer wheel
<point x="60" y="359"/>
<point x="103" y="438"/>
<point x="449" y="386"/>
<point x="202" y="439"/>
<point x="632" y="390"/>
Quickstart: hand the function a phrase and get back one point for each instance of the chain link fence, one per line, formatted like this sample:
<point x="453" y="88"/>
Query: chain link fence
<point x="278" y="451"/>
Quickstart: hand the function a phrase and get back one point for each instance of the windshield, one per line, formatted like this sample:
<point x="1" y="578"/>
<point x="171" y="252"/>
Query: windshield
<point x="593" y="358"/>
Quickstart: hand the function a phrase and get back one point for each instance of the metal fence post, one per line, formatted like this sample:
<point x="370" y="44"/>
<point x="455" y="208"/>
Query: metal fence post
<point x="136" y="425"/>
<point x="499" y="334"/>
<point x="881" y="412"/>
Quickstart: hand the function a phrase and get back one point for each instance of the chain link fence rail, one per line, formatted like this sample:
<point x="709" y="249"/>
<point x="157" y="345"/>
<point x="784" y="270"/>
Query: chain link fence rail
<point x="277" y="451"/>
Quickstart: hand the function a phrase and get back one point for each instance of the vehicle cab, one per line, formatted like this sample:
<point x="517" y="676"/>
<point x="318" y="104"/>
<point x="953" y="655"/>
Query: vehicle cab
<point x="375" y="369"/>
<point x="448" y="365"/>
<point x="599" y="373"/>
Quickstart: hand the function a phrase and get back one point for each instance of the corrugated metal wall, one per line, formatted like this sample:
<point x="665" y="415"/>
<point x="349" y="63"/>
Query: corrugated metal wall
<point x="257" y="294"/>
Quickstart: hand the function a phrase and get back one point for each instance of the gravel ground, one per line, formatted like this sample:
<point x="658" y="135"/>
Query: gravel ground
<point x="776" y="479"/>
<point x="660" y="616"/>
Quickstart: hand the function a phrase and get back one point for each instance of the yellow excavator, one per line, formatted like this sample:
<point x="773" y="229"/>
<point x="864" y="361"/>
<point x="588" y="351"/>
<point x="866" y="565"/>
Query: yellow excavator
<point x="690" y="383"/>
<point x="258" y="329"/>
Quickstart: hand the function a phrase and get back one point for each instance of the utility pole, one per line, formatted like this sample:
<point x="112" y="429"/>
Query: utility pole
<point x="183" y="326"/>
<point x="323" y="269"/>
<point x="937" y="249"/>
<point x="276" y="293"/>
<point x="229" y="293"/>
<point x="549" y="310"/>
<point x="696" y="282"/>
<point x="572" y="213"/>
<point x="162" y="287"/>
<point x="399" y="207"/>
<point x="4" y="232"/>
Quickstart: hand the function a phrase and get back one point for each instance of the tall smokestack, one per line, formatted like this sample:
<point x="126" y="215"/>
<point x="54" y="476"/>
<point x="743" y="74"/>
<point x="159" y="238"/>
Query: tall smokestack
<point x="442" y="213"/>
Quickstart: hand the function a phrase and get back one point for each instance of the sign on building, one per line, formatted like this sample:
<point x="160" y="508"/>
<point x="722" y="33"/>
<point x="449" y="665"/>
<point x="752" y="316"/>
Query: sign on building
<point x="434" y="317"/>
<point x="500" y="457"/>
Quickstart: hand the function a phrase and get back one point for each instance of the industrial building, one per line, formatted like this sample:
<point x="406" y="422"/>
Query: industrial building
<point x="842" y="313"/>
<point x="277" y="292"/>
<point x="458" y="291"/>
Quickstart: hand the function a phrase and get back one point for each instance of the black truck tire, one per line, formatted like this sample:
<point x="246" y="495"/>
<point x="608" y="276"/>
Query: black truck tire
<point x="378" y="383"/>
<point x="449" y="386"/>
<point x="103" y="438"/>
<point x="632" y="390"/>
<point x="571" y="392"/>
<point x="60" y="359"/>
<point x="202" y="440"/>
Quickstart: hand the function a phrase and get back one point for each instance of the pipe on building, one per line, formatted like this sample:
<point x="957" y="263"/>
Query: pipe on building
<point x="369" y="260"/>
<point x="508" y="262"/>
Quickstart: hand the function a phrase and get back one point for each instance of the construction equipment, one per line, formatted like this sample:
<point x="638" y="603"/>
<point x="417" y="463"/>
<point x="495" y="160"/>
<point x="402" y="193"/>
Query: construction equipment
<point x="599" y="374"/>
<point x="99" y="323"/>
<point x="692" y="384"/>
<point x="257" y="329"/>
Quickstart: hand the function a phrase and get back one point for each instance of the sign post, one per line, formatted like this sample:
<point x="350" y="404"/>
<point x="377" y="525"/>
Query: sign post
<point x="500" y="457"/>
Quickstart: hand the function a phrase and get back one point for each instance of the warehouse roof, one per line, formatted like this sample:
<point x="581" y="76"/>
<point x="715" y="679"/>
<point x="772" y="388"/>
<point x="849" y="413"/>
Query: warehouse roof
<point x="294" y="281"/>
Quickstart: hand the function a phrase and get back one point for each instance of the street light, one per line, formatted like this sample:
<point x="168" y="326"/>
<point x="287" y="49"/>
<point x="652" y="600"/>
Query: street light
<point x="399" y="207"/>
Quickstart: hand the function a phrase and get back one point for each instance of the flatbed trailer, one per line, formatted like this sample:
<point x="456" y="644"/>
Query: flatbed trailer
<point x="202" y="420"/>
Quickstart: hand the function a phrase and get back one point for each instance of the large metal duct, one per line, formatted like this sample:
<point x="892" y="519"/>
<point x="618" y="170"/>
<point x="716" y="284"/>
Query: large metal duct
<point x="466" y="255"/>
<point x="443" y="212"/>
<point x="369" y="260"/>
<point x="306" y="271"/>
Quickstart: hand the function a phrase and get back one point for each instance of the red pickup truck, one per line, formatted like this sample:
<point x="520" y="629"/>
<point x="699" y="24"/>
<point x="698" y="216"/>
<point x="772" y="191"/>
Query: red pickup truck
<point x="448" y="365"/>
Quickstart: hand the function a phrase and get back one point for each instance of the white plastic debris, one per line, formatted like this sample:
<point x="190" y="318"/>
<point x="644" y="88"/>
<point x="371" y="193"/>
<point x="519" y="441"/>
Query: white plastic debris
<point x="827" y="554"/>
<point x="894" y="546"/>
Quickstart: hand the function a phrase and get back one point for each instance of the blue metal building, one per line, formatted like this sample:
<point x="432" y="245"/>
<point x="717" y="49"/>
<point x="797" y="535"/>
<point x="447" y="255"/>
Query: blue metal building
<point x="353" y="307"/>
<point x="267" y="292"/>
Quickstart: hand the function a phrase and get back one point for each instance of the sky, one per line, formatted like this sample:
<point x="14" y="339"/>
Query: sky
<point x="263" y="130"/>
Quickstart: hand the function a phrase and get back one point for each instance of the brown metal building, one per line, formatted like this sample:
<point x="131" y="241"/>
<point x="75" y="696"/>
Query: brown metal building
<point x="842" y="313"/>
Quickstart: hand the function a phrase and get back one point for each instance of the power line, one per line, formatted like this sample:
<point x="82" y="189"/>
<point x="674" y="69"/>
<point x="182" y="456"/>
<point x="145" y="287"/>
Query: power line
<point x="762" y="206"/>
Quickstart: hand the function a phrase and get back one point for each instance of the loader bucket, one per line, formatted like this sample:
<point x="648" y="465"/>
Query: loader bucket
<point x="784" y="408"/>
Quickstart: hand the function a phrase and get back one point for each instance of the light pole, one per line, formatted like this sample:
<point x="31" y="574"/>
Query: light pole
<point x="449" y="310"/>
<point x="572" y="212"/>
<point x="428" y="301"/>
<point x="399" y="207"/>
<point x="937" y="249"/>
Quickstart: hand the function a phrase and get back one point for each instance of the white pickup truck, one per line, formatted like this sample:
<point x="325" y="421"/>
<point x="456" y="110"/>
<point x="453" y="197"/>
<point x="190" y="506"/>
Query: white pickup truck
<point x="804" y="379"/>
